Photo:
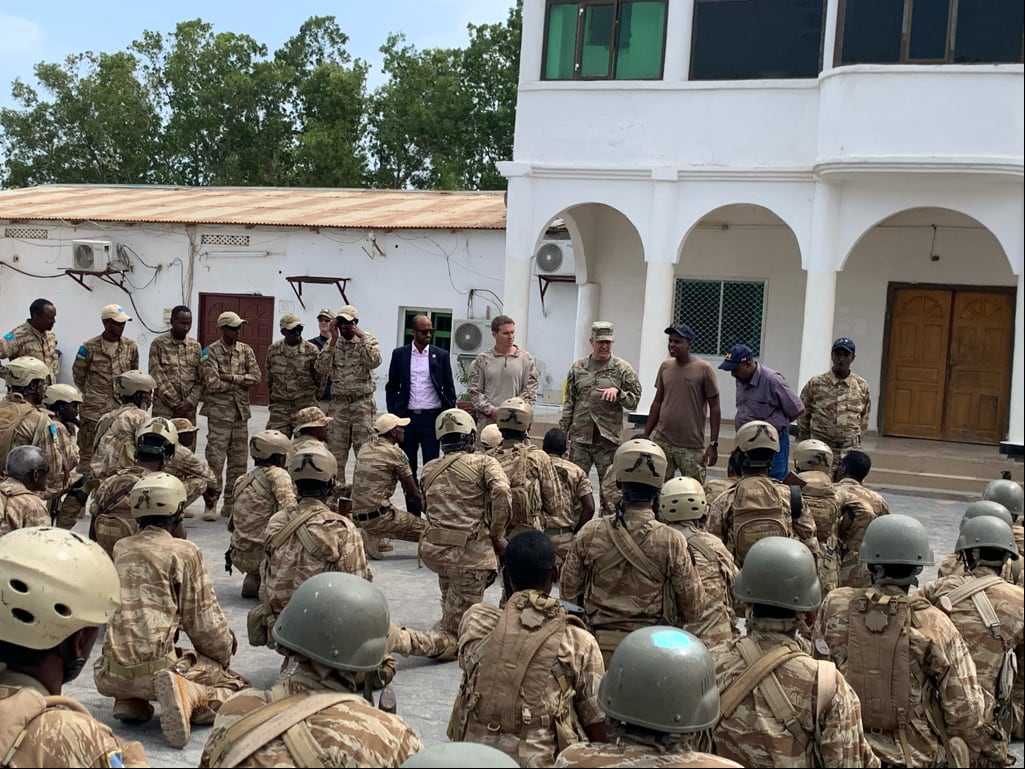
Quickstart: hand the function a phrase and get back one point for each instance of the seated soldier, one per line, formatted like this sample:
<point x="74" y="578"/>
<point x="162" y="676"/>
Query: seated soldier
<point x="112" y="446"/>
<point x="193" y="470"/>
<point x="20" y="504"/>
<point x="310" y="428"/>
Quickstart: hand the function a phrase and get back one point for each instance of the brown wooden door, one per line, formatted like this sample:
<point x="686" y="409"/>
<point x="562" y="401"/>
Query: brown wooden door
<point x="948" y="371"/>
<point x="258" y="333"/>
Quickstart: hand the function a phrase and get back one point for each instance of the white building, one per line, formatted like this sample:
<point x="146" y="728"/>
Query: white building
<point x="781" y="173"/>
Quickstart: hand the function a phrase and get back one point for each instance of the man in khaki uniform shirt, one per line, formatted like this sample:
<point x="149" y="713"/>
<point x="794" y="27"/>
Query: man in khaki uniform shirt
<point x="292" y="379"/>
<point x="35" y="337"/>
<point x="174" y="364"/>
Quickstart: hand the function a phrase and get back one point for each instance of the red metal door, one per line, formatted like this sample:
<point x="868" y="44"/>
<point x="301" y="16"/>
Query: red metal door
<point x="258" y="333"/>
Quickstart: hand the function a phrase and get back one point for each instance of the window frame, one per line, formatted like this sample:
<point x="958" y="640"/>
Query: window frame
<point x="406" y="314"/>
<point x="721" y="345"/>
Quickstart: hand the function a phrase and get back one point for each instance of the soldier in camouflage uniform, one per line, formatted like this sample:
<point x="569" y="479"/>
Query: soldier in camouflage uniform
<point x="26" y="386"/>
<point x="813" y="463"/>
<point x="292" y="378"/>
<point x="906" y="660"/>
<point x="540" y="698"/>
<point x="505" y="371"/>
<point x="836" y="404"/>
<point x="779" y="706"/>
<point x="165" y="591"/>
<point x="660" y="700"/>
<point x="990" y="616"/>
<point x="260" y="493"/>
<point x="443" y="755"/>
<point x="38" y="726"/>
<point x="174" y="363"/>
<point x="599" y="388"/>
<point x="311" y="425"/>
<point x="63" y="401"/>
<point x="859" y="506"/>
<point x="1009" y="494"/>
<point x="348" y="360"/>
<point x="576" y="491"/>
<point x="35" y="338"/>
<point x="97" y="362"/>
<point x="192" y="470"/>
<point x="20" y="504"/>
<point x="229" y="371"/>
<point x="114" y="444"/>
<point x="380" y="464"/>
<point x="953" y="564"/>
<point x="682" y="505"/>
<point x="467" y="502"/>
<point x="112" y="518"/>
<point x="611" y="494"/>
<point x="316" y="539"/>
<point x="630" y="570"/>
<point x="490" y="437"/>
<point x="335" y="630"/>
<point x="715" y="487"/>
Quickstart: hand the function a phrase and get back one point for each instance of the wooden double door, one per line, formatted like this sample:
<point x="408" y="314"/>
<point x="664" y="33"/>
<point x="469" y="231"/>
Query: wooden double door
<point x="948" y="363"/>
<point x="258" y="333"/>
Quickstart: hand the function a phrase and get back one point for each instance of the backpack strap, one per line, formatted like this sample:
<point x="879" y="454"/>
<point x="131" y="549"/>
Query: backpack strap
<point x="429" y="478"/>
<point x="704" y="548"/>
<point x="631" y="551"/>
<point x="759" y="674"/>
<point x="972" y="586"/>
<point x="37" y="705"/>
<point x="825" y="691"/>
<point x="289" y="528"/>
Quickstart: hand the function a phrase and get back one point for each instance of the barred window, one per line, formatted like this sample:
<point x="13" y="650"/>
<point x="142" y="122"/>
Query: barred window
<point x="225" y="240"/>
<point x="721" y="313"/>
<point x="27" y="233"/>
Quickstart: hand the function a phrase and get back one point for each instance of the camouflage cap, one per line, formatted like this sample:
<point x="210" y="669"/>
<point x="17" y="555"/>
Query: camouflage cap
<point x="229" y="319"/>
<point x="603" y="331"/>
<point x="326" y="314"/>
<point x="289" y="321"/>
<point x="348" y="313"/>
<point x="311" y="416"/>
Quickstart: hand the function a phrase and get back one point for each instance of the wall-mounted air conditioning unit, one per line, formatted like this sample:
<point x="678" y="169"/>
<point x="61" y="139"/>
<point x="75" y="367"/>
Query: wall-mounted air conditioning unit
<point x="555" y="257"/>
<point x="470" y="337"/>
<point x="91" y="255"/>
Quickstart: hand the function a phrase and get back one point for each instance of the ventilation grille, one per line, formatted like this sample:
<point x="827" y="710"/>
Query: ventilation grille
<point x="27" y="233"/>
<point x="225" y="240"/>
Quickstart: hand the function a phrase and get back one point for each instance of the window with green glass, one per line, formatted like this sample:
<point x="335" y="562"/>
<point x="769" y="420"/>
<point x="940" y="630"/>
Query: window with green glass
<point x="440" y="319"/>
<point x="721" y="313"/>
<point x="604" y="40"/>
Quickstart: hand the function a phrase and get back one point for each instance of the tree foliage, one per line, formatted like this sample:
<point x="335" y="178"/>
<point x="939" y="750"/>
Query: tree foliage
<point x="199" y="107"/>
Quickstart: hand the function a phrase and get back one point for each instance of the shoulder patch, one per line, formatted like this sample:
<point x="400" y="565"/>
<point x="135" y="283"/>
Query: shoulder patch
<point x="82" y="353"/>
<point x="204" y="354"/>
<point x="9" y="336"/>
<point x="115" y="760"/>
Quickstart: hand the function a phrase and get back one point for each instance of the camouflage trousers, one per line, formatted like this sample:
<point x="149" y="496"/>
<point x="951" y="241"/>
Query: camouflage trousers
<point x="598" y="453"/>
<point x="247" y="560"/>
<point x="228" y="440"/>
<point x="351" y="428"/>
<point x="113" y="680"/>
<point x="161" y="409"/>
<point x="194" y="488"/>
<point x="690" y="462"/>
<point x="461" y="589"/>
<point x="110" y="529"/>
<point x="86" y="436"/>
<point x="69" y="512"/>
<point x="395" y="524"/>
<point x="282" y="414"/>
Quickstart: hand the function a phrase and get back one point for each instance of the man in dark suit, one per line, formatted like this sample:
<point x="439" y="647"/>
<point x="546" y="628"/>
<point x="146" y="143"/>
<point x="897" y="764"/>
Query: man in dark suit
<point x="420" y="386"/>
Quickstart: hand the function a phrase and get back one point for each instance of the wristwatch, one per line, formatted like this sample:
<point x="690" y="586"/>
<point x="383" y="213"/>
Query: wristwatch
<point x="714" y="444"/>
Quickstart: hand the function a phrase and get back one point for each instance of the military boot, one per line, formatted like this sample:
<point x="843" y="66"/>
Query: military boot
<point x="372" y="545"/>
<point x="251" y="586"/>
<point x="133" y="710"/>
<point x="385" y="546"/>
<point x="178" y="697"/>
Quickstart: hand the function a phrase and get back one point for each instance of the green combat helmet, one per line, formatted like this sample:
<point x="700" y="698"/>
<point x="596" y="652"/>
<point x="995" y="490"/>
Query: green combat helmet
<point x="682" y="499"/>
<point x="267" y="443"/>
<point x="515" y="414"/>
<point x="779" y="571"/>
<point x="640" y="461"/>
<point x="1007" y="493"/>
<point x="23" y="371"/>
<point x="986" y="508"/>
<point x="337" y="619"/>
<point x="132" y="382"/>
<point x="987" y="531"/>
<point x="446" y="754"/>
<point x="896" y="539"/>
<point x="54" y="582"/>
<point x="315" y="463"/>
<point x="661" y="678"/>
<point x="157" y="494"/>
<point x="454" y="421"/>
<point x="813" y="455"/>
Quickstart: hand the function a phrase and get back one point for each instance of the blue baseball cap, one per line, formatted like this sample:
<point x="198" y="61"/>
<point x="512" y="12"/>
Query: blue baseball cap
<point x="844" y="343"/>
<point x="739" y="353"/>
<point x="681" y="330"/>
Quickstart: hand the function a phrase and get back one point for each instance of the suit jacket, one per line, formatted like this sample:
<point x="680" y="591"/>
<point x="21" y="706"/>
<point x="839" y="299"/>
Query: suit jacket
<point x="397" y="389"/>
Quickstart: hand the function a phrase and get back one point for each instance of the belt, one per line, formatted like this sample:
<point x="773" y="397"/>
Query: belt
<point x="555" y="530"/>
<point x="425" y="411"/>
<point x="143" y="668"/>
<point x="293" y="402"/>
<point x="843" y="444"/>
<point x="351" y="398"/>
<point x="371" y="515"/>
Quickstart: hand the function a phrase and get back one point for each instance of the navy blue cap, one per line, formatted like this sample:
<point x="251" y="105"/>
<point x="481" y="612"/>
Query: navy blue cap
<point x="739" y="353"/>
<point x="844" y="343"/>
<point x="681" y="330"/>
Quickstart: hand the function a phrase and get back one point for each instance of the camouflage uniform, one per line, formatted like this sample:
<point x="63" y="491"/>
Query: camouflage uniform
<point x="569" y="666"/>
<point x="114" y="445"/>
<point x="717" y="573"/>
<point x="494" y="378"/>
<point x="259" y="494"/>
<point x="350" y="364"/>
<point x="467" y="510"/>
<point x="194" y="472"/>
<point x="292" y="382"/>
<point x="112" y="508"/>
<point x="20" y="508"/>
<point x="835" y="411"/>
<point x="953" y="566"/>
<point x="715" y="487"/>
<point x="304" y="441"/>
<point x="939" y="658"/>
<point x="94" y="371"/>
<point x="617" y="596"/>
<point x="58" y="484"/>
<point x="380" y="464"/>
<point x="165" y="589"/>
<point x="754" y="736"/>
<point x="26" y="340"/>
<point x="820" y="498"/>
<point x="64" y="735"/>
<point x="226" y="407"/>
<point x="575" y="484"/>
<point x="339" y="547"/>
<point x="37" y="429"/>
<point x="541" y="499"/>
<point x="988" y="648"/>
<point x="591" y="424"/>
<point x="611" y="494"/>
<point x="628" y="753"/>
<point x="175" y="367"/>
<point x="859" y="506"/>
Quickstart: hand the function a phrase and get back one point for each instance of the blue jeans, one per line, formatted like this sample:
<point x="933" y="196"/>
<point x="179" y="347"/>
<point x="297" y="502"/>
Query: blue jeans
<point x="781" y="462"/>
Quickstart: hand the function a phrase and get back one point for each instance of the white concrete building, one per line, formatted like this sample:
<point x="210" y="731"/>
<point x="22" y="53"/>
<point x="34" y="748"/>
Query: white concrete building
<point x="779" y="174"/>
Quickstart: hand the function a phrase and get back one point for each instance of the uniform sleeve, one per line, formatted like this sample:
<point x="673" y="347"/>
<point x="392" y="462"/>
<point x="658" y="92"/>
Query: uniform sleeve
<point x="868" y="407"/>
<point x="80" y="368"/>
<point x="201" y="614"/>
<point x="475" y="385"/>
<point x="804" y="421"/>
<point x="370" y="351"/>
<point x="829" y="634"/>
<point x="342" y="545"/>
<point x="9" y="346"/>
<point x="630" y="391"/>
<point x="683" y="574"/>
<point x="159" y="374"/>
<point x="252" y="375"/>
<point x="529" y="392"/>
<point x="497" y="485"/>
<point x="134" y="356"/>
<point x="268" y="364"/>
<point x="842" y="742"/>
<point x="569" y="402"/>
<point x="554" y="503"/>
<point x="326" y="358"/>
<point x="804" y="524"/>
<point x="283" y="490"/>
<point x="211" y="372"/>
<point x="571" y="579"/>
<point x="953" y="671"/>
<point x="589" y="667"/>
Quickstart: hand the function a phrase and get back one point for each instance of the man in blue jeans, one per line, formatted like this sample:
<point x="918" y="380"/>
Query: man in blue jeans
<point x="763" y="393"/>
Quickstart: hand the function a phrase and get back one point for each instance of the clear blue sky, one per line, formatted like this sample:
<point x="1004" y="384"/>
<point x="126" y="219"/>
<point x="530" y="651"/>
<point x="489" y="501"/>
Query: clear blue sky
<point x="49" y="30"/>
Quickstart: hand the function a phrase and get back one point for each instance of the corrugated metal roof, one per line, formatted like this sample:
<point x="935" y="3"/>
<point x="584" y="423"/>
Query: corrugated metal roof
<point x="279" y="206"/>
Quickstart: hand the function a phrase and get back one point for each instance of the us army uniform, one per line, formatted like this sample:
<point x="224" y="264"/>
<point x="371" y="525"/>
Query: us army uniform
<point x="165" y="589"/>
<point x="835" y="412"/>
<point x="859" y="506"/>
<point x="350" y="364"/>
<point x="623" y="753"/>
<point x="112" y="510"/>
<point x="97" y="364"/>
<point x="19" y="507"/>
<point x="226" y="407"/>
<point x="575" y="484"/>
<point x="194" y="473"/>
<point x="259" y="494"/>
<point x="292" y="382"/>
<point x="175" y="366"/>
<point x="560" y="683"/>
<point x="380" y="464"/>
<point x="25" y="340"/>
<point x="63" y="734"/>
<point x="539" y="484"/>
<point x="114" y="445"/>
<point x="717" y="572"/>
<point x="591" y="424"/>
<point x="467" y="512"/>
<point x="754" y="736"/>
<point x="938" y="657"/>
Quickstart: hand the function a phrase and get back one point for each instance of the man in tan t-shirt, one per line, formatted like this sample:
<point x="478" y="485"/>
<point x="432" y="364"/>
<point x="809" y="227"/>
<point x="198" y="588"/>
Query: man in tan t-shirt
<point x="686" y="391"/>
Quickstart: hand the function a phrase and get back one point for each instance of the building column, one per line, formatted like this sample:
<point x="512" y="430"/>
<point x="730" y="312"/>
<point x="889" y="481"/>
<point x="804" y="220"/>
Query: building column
<point x="588" y="296"/>
<point x="519" y="248"/>
<point x="658" y="313"/>
<point x="817" y="334"/>
<point x="1015" y="442"/>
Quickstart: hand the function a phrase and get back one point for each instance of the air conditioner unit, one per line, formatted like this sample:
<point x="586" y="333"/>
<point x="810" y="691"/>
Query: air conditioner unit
<point x="91" y="255"/>
<point x="470" y="337"/>
<point x="555" y="257"/>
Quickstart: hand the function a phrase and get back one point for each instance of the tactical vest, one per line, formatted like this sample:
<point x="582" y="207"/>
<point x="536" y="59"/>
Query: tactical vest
<point x="819" y="496"/>
<point x="757" y="513"/>
<point x="525" y="503"/>
<point x="19" y="711"/>
<point x="12" y="414"/>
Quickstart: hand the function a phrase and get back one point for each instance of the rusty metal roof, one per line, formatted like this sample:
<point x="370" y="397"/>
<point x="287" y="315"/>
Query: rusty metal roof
<point x="274" y="206"/>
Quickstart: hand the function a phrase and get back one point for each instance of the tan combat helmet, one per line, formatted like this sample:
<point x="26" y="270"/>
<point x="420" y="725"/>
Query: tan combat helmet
<point x="515" y="414"/>
<point x="757" y="435"/>
<point x="314" y="463"/>
<point x="813" y="455"/>
<point x="491" y="436"/>
<point x="267" y="443"/>
<point x="61" y="393"/>
<point x="454" y="422"/>
<point x="640" y="461"/>
<point x="161" y="426"/>
<point x="682" y="499"/>
<point x="54" y="582"/>
<point x="132" y="382"/>
<point x="23" y="371"/>
<point x="157" y="494"/>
